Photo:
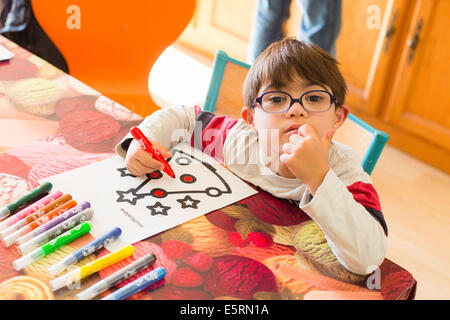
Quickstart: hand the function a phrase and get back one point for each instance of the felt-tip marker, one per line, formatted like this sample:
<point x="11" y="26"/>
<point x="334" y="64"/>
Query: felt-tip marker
<point x="137" y="285"/>
<point x="90" y="268"/>
<point x="117" y="277"/>
<point x="32" y="196"/>
<point x="35" y="215"/>
<point x="10" y="239"/>
<point x="148" y="146"/>
<point x="52" y="245"/>
<point x="29" y="210"/>
<point x="53" y="222"/>
<point x="58" y="229"/>
<point x="85" y="251"/>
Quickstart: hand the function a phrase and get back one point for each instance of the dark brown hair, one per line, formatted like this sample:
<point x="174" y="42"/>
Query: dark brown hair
<point x="283" y="60"/>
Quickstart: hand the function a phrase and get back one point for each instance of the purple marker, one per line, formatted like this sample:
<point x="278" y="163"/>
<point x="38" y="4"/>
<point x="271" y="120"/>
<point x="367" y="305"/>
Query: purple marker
<point x="50" y="224"/>
<point x="57" y="230"/>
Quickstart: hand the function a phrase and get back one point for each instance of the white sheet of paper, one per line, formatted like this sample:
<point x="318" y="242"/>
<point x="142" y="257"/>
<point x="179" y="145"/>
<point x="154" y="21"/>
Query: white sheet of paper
<point x="145" y="206"/>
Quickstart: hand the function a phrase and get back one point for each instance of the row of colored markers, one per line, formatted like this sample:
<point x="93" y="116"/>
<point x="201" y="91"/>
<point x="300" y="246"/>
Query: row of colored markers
<point x="43" y="221"/>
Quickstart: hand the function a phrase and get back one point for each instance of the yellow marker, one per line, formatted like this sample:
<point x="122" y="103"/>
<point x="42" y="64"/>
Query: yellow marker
<point x="92" y="267"/>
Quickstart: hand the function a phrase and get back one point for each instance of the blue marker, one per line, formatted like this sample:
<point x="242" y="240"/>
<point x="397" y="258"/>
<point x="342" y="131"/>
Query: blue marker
<point x="85" y="251"/>
<point x="117" y="277"/>
<point x="137" y="285"/>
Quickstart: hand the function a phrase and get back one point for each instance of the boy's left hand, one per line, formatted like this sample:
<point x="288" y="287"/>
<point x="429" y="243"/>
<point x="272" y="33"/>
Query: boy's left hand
<point x="306" y="155"/>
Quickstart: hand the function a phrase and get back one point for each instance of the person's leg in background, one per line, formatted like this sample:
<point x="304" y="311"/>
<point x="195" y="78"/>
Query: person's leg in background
<point x="267" y="25"/>
<point x="321" y="23"/>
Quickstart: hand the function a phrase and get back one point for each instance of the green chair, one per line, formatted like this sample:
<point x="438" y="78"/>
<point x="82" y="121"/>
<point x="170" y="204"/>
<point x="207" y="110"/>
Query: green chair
<point x="225" y="97"/>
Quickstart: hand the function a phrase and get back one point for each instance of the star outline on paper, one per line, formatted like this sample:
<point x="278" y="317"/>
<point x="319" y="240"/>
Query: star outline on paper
<point x="157" y="205"/>
<point x="123" y="196"/>
<point x="124" y="172"/>
<point x="190" y="199"/>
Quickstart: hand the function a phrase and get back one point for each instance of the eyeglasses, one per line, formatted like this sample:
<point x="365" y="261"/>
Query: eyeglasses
<point x="281" y="102"/>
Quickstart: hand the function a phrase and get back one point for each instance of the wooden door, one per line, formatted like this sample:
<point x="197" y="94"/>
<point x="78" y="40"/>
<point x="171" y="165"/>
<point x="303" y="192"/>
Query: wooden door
<point x="420" y="102"/>
<point x="220" y="25"/>
<point x="366" y="48"/>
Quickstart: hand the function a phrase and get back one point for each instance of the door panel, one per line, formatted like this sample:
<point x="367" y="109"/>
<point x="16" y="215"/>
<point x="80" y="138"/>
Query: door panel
<point x="421" y="100"/>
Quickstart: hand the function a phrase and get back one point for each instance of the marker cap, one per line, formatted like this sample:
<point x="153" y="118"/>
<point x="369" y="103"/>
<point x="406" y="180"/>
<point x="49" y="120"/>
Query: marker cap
<point x="24" y="261"/>
<point x="61" y="265"/>
<point x="4" y="212"/>
<point x="64" y="280"/>
<point x="86" y="294"/>
<point x="10" y="239"/>
<point x="9" y="230"/>
<point x="28" y="246"/>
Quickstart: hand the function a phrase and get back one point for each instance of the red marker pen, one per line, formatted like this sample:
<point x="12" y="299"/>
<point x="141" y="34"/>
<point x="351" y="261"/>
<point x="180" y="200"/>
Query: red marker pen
<point x="147" y="146"/>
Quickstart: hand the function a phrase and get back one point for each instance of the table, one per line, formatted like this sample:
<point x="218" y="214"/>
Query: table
<point x="50" y="123"/>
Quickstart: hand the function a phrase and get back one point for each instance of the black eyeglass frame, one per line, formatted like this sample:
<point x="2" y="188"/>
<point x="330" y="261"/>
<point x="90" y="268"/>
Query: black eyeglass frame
<point x="299" y="100"/>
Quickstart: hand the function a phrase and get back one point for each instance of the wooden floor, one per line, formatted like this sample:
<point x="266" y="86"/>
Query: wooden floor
<point x="415" y="199"/>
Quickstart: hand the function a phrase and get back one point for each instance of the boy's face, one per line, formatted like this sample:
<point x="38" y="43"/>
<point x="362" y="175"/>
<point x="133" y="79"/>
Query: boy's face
<point x="274" y="129"/>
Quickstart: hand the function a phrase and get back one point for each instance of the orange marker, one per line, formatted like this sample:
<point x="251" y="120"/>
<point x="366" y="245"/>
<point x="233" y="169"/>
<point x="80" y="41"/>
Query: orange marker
<point x="30" y="218"/>
<point x="9" y="240"/>
<point x="52" y="214"/>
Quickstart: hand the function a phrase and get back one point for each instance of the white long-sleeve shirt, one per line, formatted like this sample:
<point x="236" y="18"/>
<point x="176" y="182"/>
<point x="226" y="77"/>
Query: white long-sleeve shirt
<point x="345" y="206"/>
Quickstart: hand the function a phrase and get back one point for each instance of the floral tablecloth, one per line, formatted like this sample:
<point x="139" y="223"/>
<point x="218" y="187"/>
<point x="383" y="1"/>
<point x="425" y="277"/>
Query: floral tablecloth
<point x="50" y="123"/>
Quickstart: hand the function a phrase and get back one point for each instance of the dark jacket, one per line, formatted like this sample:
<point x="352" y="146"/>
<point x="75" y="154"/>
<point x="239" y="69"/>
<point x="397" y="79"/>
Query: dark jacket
<point x="18" y="24"/>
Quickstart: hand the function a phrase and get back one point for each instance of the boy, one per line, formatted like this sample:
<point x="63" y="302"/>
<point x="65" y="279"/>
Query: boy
<point x="294" y="101"/>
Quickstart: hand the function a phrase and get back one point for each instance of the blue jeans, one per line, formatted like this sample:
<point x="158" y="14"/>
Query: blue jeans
<point x="321" y="23"/>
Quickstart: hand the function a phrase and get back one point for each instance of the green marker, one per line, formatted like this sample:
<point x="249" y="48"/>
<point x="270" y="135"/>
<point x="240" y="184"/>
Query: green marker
<point x="52" y="245"/>
<point x="31" y="197"/>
